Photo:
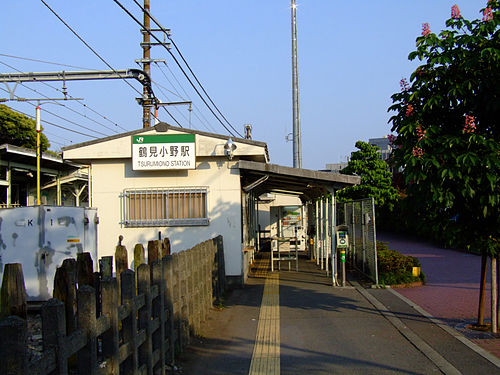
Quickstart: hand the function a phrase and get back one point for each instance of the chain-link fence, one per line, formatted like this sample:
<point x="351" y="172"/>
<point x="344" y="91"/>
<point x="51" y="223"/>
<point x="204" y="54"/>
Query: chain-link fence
<point x="359" y="216"/>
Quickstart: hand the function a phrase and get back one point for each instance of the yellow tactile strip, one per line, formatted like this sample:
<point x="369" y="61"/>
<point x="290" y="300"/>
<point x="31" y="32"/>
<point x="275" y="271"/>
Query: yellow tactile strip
<point x="261" y="267"/>
<point x="266" y="351"/>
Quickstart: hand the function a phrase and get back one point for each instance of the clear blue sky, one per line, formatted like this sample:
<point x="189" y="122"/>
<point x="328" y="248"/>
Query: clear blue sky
<point x="352" y="56"/>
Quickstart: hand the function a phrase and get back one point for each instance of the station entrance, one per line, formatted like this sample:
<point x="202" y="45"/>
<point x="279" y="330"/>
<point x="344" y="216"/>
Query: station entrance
<point x="291" y="219"/>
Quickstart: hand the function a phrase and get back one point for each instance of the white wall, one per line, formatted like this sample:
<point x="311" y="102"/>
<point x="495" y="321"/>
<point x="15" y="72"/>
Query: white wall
<point x="111" y="177"/>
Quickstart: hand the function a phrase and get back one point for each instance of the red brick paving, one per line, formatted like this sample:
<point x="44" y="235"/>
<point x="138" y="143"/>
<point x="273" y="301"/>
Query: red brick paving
<point x="451" y="292"/>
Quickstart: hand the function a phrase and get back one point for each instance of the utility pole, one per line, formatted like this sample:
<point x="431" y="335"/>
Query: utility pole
<point x="146" y="65"/>
<point x="297" y="146"/>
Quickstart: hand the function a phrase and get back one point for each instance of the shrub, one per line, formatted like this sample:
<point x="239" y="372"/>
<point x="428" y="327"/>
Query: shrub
<point x="395" y="268"/>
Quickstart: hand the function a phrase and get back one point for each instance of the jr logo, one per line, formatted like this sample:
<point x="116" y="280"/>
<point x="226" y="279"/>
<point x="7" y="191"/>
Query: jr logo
<point x="140" y="140"/>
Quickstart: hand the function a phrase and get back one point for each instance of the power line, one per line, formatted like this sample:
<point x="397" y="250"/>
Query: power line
<point x="51" y="123"/>
<point x="199" y="83"/>
<point x="69" y="108"/>
<point x="175" y="59"/>
<point x="88" y="46"/>
<point x="62" y="118"/>
<point x="65" y="106"/>
<point x="43" y="61"/>
<point x="58" y="136"/>
<point x="206" y="122"/>
<point x="185" y="62"/>
<point x="170" y="91"/>
<point x="166" y="96"/>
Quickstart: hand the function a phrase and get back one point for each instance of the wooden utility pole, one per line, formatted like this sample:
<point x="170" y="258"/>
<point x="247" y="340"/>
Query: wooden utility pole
<point x="146" y="65"/>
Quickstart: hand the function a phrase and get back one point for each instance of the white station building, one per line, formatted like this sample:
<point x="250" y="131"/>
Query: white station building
<point x="190" y="186"/>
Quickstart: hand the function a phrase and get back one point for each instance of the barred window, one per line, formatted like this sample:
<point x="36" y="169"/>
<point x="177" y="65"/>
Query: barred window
<point x="164" y="207"/>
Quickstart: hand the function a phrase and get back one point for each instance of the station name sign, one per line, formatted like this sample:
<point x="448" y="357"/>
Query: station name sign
<point x="163" y="151"/>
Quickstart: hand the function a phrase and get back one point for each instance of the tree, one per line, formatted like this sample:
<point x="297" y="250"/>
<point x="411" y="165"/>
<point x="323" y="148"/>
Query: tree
<point x="447" y="128"/>
<point x="19" y="130"/>
<point x="375" y="177"/>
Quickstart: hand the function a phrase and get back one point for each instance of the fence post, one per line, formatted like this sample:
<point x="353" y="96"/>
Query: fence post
<point x="110" y="339"/>
<point x="13" y="292"/>
<point x="87" y="357"/>
<point x="154" y="247"/>
<point x="198" y="290"/>
<point x="199" y="282"/>
<point x="169" y="298"/>
<point x="190" y="291"/>
<point x="65" y="291"/>
<point x="129" y="324"/>
<point x="209" y="269"/>
<point x="220" y="269"/>
<point x="106" y="266"/>
<point x="166" y="246"/>
<point x="54" y="332"/>
<point x="121" y="262"/>
<point x="159" y="313"/>
<point x="84" y="269"/>
<point x="13" y="350"/>
<point x="185" y="298"/>
<point x="144" y="287"/>
<point x="139" y="257"/>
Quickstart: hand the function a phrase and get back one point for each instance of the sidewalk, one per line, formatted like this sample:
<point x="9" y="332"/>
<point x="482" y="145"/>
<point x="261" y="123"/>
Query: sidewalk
<point x="296" y="322"/>
<point x="451" y="292"/>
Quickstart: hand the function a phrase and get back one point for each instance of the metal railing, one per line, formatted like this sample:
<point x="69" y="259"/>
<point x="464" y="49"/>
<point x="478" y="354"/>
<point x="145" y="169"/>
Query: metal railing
<point x="146" y="207"/>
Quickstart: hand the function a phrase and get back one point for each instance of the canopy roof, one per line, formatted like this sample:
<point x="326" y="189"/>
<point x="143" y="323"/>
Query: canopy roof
<point x="307" y="184"/>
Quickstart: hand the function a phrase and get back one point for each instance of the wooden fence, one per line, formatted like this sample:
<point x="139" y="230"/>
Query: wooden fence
<point x="136" y="323"/>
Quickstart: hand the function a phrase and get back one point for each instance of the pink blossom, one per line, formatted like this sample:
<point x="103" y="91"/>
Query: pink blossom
<point x="409" y="110"/>
<point x="455" y="12"/>
<point x="425" y="29"/>
<point x="420" y="132"/>
<point x="470" y="124"/>
<point x="487" y="14"/>
<point x="405" y="86"/>
<point x="417" y="152"/>
<point x="391" y="138"/>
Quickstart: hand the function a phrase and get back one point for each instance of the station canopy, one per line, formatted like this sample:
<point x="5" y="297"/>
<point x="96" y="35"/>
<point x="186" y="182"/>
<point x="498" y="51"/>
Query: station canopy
<point x="308" y="185"/>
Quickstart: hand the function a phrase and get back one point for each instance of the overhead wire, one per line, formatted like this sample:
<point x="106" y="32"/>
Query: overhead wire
<point x="65" y="106"/>
<point x="208" y="125"/>
<point x="166" y="96"/>
<point x="191" y="71"/>
<point x="185" y="62"/>
<point x="199" y="83"/>
<point x="44" y="61"/>
<point x="89" y="47"/>
<point x="173" y="56"/>
<point x="62" y="118"/>
<point x="77" y="100"/>
<point x="51" y="123"/>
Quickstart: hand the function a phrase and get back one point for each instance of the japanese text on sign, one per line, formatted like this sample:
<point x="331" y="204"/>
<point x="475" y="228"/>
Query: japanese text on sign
<point x="166" y="151"/>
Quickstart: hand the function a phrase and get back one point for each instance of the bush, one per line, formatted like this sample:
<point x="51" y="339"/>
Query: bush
<point x="395" y="268"/>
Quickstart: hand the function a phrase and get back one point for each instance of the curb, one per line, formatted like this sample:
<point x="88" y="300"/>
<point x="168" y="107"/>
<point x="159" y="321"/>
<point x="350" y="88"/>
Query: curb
<point x="482" y="352"/>
<point x="442" y="364"/>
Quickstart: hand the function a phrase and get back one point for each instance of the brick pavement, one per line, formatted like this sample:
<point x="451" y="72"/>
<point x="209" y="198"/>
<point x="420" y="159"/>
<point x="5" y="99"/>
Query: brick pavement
<point x="451" y="292"/>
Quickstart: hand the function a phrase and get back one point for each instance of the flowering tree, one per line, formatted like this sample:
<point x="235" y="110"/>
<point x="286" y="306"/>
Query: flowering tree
<point x="447" y="128"/>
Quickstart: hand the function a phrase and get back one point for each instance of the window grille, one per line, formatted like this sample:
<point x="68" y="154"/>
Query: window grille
<point x="164" y="207"/>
